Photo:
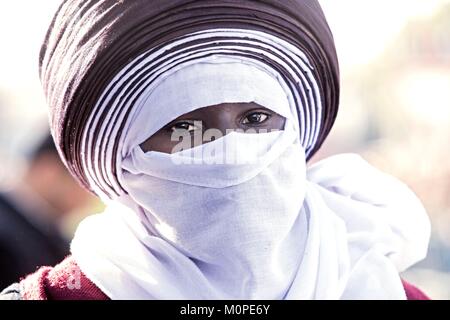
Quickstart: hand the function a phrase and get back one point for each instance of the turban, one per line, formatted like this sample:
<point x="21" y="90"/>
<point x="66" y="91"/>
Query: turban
<point x="99" y="55"/>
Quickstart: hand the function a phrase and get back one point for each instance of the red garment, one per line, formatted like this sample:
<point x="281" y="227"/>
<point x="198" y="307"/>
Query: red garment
<point x="414" y="293"/>
<point x="65" y="281"/>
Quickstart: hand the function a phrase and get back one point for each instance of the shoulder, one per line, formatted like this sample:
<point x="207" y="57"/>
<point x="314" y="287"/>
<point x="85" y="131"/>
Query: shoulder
<point x="64" y="281"/>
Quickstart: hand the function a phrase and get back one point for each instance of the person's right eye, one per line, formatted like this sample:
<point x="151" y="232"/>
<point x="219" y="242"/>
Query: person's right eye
<point x="184" y="125"/>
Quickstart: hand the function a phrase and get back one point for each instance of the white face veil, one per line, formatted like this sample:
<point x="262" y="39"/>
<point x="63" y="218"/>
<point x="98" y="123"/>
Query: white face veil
<point x="242" y="217"/>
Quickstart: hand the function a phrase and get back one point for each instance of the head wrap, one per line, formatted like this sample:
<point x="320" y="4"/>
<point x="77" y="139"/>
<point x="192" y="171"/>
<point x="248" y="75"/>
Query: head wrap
<point x="91" y="44"/>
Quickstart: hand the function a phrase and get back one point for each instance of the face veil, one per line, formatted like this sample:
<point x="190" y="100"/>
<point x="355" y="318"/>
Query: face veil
<point x="116" y="71"/>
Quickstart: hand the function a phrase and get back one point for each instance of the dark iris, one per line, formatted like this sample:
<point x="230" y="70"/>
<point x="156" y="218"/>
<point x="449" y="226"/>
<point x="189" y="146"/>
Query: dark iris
<point x="183" y="125"/>
<point x="255" y="118"/>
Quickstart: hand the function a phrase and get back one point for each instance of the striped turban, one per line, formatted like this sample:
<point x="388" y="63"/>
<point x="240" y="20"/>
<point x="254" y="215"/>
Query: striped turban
<point x="99" y="56"/>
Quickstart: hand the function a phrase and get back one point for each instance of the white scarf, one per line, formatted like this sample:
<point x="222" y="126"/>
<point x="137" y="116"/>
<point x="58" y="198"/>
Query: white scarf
<point x="266" y="228"/>
<point x="357" y="229"/>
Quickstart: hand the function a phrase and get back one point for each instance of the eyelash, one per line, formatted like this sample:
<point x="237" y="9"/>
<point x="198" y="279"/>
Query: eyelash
<point x="171" y="128"/>
<point x="255" y="112"/>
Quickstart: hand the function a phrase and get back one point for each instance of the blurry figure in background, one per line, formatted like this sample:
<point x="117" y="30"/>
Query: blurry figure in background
<point x="31" y="213"/>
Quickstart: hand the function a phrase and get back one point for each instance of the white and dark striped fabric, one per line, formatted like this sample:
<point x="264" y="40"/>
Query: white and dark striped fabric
<point x="117" y="109"/>
<point x="100" y="57"/>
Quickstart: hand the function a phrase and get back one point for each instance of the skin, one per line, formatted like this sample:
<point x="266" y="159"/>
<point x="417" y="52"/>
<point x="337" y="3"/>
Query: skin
<point x="249" y="117"/>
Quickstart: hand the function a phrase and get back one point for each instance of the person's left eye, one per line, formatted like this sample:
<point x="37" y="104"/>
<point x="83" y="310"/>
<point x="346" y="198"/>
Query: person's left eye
<point x="255" y="118"/>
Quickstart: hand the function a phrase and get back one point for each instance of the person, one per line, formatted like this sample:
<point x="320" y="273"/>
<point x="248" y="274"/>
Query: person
<point x="29" y="214"/>
<point x="194" y="122"/>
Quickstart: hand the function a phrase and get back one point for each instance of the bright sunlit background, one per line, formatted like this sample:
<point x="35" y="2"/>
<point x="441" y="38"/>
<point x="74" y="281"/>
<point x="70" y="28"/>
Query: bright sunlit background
<point x="395" y="101"/>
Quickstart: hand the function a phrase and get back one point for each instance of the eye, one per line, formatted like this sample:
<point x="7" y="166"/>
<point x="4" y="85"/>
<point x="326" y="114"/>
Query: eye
<point x="255" y="118"/>
<point x="183" y="125"/>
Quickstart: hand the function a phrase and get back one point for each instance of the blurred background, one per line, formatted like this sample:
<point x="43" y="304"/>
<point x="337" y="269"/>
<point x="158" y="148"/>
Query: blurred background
<point x="395" y="108"/>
